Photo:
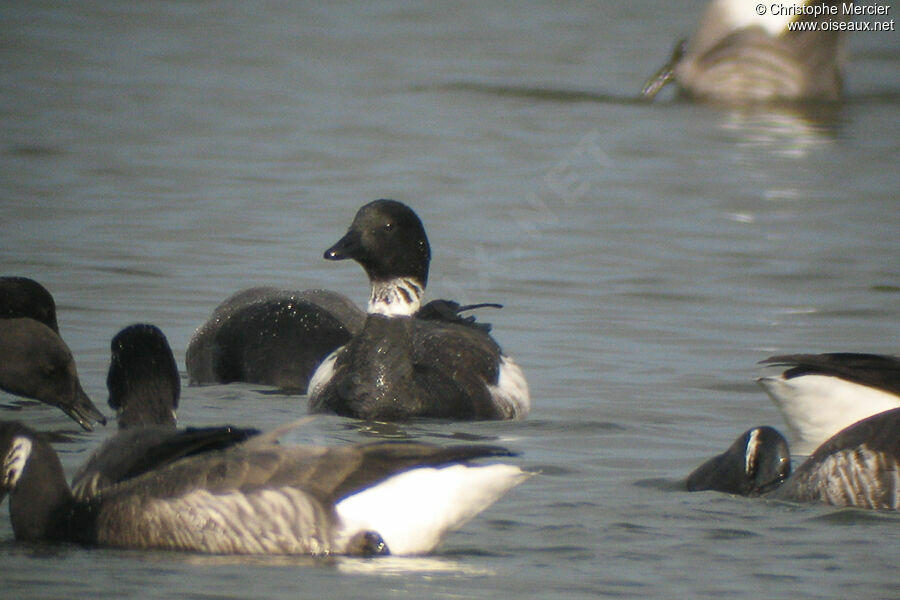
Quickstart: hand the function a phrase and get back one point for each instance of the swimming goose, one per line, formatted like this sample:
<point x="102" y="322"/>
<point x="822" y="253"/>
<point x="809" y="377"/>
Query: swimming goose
<point x="144" y="388"/>
<point x="270" y="336"/>
<point x="143" y="381"/>
<point x="757" y="462"/>
<point x="24" y="297"/>
<point x="820" y="394"/>
<point x="399" y="366"/>
<point x="859" y="467"/>
<point x="738" y="55"/>
<point x="261" y="498"/>
<point x="35" y="363"/>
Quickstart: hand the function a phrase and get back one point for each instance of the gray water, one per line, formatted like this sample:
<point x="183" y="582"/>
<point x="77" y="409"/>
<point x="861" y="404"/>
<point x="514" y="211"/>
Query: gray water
<point x="157" y="157"/>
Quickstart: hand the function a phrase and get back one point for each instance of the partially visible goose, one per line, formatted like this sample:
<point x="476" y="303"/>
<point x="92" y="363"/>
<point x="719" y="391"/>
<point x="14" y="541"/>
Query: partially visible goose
<point x="143" y="380"/>
<point x="36" y="363"/>
<point x="270" y="336"/>
<point x="261" y="498"/>
<point x="757" y="462"/>
<point x="738" y="55"/>
<point x="144" y="388"/>
<point x="820" y="394"/>
<point x="399" y="366"/>
<point x="859" y="467"/>
<point x="24" y="297"/>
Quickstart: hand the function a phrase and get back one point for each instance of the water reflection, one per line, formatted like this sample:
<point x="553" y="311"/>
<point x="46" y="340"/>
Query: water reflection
<point x="787" y="130"/>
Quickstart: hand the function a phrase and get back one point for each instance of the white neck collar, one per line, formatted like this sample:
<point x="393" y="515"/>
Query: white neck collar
<point x="398" y="297"/>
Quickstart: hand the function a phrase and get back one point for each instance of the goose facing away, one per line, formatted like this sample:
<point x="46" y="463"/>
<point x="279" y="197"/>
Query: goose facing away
<point x="144" y="388"/>
<point x="270" y="336"/>
<point x="408" y="360"/>
<point x="36" y="363"/>
<point x="820" y="394"/>
<point x="261" y="498"/>
<point x="858" y="467"/>
<point x="143" y="381"/>
<point x="737" y="55"/>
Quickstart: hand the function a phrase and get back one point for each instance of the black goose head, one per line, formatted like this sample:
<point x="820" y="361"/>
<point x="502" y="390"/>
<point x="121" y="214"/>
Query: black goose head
<point x="24" y="297"/>
<point x="35" y="363"/>
<point x="388" y="240"/>
<point x="757" y="462"/>
<point x="143" y="381"/>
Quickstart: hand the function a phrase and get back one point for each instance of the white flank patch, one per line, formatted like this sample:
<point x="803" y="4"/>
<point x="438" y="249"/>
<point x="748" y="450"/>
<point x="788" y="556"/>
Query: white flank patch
<point x="400" y="297"/>
<point x="750" y="452"/>
<point x="511" y="392"/>
<point x="15" y="461"/>
<point x="322" y="375"/>
<point x="413" y="511"/>
<point x="740" y="14"/>
<point x="815" y="407"/>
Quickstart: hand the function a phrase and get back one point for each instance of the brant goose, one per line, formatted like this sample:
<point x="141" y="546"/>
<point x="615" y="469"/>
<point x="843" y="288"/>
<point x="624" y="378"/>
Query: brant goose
<point x="35" y="363"/>
<point x="859" y="467"/>
<point x="260" y="497"/>
<point x="737" y="55"/>
<point x="820" y="394"/>
<point x="24" y="297"/>
<point x="144" y="387"/>
<point x="757" y="462"/>
<point x="270" y="336"/>
<point x="400" y="367"/>
<point x="143" y="381"/>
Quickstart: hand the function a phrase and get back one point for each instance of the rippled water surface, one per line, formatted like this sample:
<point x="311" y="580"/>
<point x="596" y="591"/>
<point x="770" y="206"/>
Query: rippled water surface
<point x="157" y="157"/>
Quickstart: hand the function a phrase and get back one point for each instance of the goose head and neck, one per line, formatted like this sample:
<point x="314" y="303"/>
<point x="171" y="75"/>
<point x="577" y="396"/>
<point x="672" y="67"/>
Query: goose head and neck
<point x="143" y="381"/>
<point x="758" y="462"/>
<point x="388" y="240"/>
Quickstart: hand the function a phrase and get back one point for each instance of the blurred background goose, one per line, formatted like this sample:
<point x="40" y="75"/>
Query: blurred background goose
<point x="737" y="55"/>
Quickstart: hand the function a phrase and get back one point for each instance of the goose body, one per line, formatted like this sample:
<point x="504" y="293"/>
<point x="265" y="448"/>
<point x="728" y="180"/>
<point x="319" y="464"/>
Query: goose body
<point x="821" y="394"/>
<point x="737" y="55"/>
<point x="408" y="360"/>
<point x="272" y="337"/>
<point x="858" y="467"/>
<point x="260" y="497"/>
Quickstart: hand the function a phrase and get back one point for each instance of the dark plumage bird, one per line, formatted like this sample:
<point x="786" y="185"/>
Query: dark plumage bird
<point x="143" y="381"/>
<point x="144" y="388"/>
<point x="859" y="467"/>
<point x="757" y="462"/>
<point x="24" y="297"/>
<point x="261" y="498"/>
<point x="737" y="55"/>
<point x="407" y="362"/>
<point x="820" y="394"/>
<point x="35" y="363"/>
<point x="272" y="337"/>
